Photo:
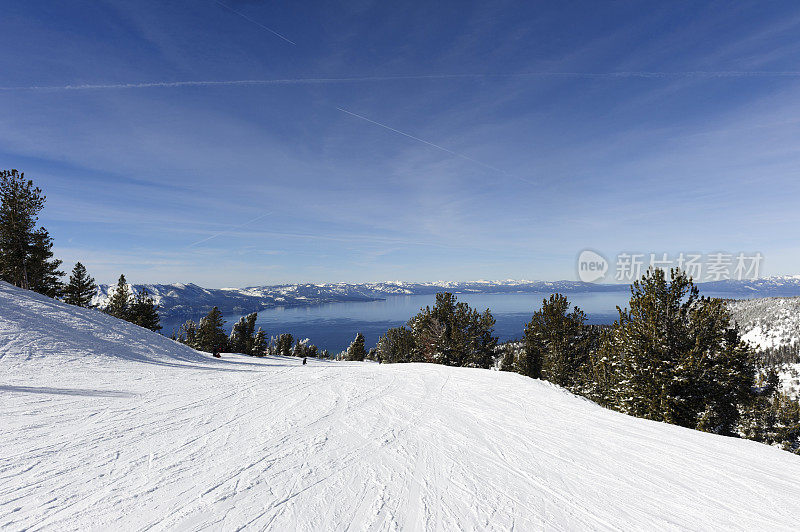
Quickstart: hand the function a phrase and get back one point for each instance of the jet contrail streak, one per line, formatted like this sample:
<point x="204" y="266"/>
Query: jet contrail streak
<point x="260" y="25"/>
<point x="229" y="230"/>
<point x="442" y="148"/>
<point x="368" y="79"/>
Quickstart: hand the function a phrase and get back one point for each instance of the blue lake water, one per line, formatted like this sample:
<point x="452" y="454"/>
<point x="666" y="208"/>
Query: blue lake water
<point x="333" y="326"/>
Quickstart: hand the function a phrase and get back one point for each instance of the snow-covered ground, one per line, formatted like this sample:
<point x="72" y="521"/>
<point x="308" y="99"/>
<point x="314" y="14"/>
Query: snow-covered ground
<point x="107" y="426"/>
<point x="768" y="322"/>
<point x="772" y="322"/>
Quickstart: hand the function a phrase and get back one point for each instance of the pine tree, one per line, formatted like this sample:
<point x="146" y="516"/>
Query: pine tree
<point x="43" y="273"/>
<point x="674" y="357"/>
<point x="260" y="343"/>
<point x="511" y="353"/>
<point x="299" y="349"/>
<point x="283" y="344"/>
<point x="772" y="417"/>
<point x="356" y="350"/>
<point x="119" y="303"/>
<point x="187" y="334"/>
<point x="237" y="342"/>
<point x="241" y="338"/>
<point x="81" y="287"/>
<point x="556" y="346"/>
<point x="26" y="257"/>
<point x="211" y="335"/>
<point x="144" y="312"/>
<point x="454" y="334"/>
<point x="397" y="345"/>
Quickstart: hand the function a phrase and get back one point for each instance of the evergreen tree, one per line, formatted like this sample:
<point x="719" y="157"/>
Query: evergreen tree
<point x="556" y="343"/>
<point x="397" y="345"/>
<point x="242" y="335"/>
<point x="674" y="357"/>
<point x="356" y="350"/>
<point x="454" y="334"/>
<point x="187" y="334"/>
<point x="119" y="302"/>
<point x="26" y="257"/>
<point x="211" y="335"/>
<point x="81" y="287"/>
<point x="512" y="353"/>
<point x="143" y="311"/>
<point x="299" y="349"/>
<point x="283" y="345"/>
<point x="260" y="343"/>
<point x="772" y="417"/>
<point x="43" y="273"/>
<point x="602" y="368"/>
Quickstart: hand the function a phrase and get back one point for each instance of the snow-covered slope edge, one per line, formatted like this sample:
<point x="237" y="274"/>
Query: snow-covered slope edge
<point x="37" y="326"/>
<point x="96" y="437"/>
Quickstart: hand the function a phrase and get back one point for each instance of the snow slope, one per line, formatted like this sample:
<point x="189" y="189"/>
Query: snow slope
<point x="108" y="426"/>
<point x="768" y="322"/>
<point x="772" y="322"/>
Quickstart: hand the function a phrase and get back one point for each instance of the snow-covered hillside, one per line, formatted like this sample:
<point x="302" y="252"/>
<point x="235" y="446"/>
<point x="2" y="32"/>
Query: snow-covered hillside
<point x="768" y="322"/>
<point x="189" y="300"/>
<point x="108" y="426"/>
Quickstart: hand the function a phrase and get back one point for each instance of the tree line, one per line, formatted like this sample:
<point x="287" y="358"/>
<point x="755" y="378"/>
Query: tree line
<point x="27" y="260"/>
<point x="671" y="356"/>
<point x="208" y="334"/>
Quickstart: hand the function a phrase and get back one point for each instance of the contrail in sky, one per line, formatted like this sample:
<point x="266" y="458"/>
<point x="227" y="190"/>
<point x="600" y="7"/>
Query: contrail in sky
<point x="229" y="230"/>
<point x="442" y="148"/>
<point x="369" y="79"/>
<point x="260" y="25"/>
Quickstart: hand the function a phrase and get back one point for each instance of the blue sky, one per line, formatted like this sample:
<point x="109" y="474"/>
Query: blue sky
<point x="384" y="140"/>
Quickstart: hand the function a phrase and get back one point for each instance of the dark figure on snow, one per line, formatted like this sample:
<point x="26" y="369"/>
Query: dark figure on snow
<point x="216" y="354"/>
<point x="304" y="361"/>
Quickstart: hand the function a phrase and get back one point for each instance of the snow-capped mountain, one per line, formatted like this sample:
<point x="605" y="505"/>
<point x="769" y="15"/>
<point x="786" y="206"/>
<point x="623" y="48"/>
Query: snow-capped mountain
<point x="176" y="300"/>
<point x="186" y="300"/>
<point x="109" y="426"/>
<point x="778" y="286"/>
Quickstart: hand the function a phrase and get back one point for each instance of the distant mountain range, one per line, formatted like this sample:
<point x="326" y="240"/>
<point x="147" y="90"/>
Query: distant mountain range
<point x="189" y="300"/>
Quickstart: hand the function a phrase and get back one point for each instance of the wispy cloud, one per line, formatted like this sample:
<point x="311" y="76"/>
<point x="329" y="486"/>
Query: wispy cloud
<point x="398" y="142"/>
<point x="370" y="79"/>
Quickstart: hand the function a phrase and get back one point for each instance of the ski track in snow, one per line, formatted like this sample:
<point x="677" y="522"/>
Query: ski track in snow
<point x="108" y="426"/>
